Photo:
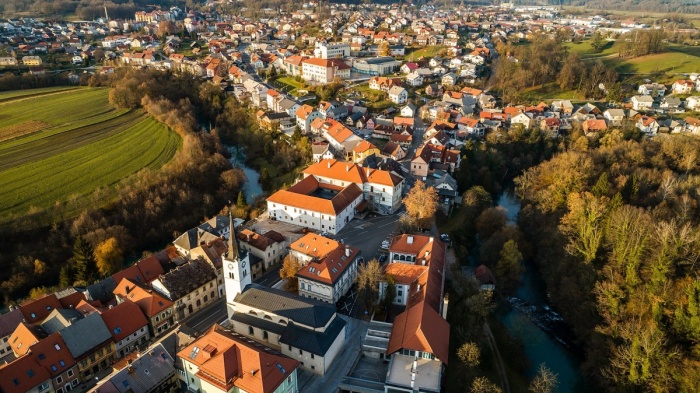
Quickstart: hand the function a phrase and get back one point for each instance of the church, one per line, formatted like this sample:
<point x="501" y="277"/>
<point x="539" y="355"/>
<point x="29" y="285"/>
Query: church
<point x="307" y="330"/>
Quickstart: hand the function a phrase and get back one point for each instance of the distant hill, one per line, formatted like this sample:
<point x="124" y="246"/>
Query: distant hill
<point x="670" y="6"/>
<point x="82" y="9"/>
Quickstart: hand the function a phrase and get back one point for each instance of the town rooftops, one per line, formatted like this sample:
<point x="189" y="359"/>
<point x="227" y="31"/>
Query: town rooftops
<point x="186" y="278"/>
<point x="420" y="328"/>
<point x="143" y="375"/>
<point x="22" y="375"/>
<point x="343" y="171"/>
<point x="143" y="271"/>
<point x="9" y="322"/>
<point x="35" y="311"/>
<point x="85" y="334"/>
<point x="315" y="246"/>
<point x="227" y="359"/>
<point x="150" y="302"/>
<point x="327" y="63"/>
<point x="260" y="241"/>
<point x="301" y="196"/>
<point x="305" y="311"/>
<point x="123" y="319"/>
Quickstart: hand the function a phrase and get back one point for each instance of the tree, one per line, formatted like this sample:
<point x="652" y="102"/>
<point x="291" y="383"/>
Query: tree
<point x="368" y="277"/>
<point x="65" y="277"/>
<point x="597" y="41"/>
<point x="389" y="292"/>
<point x="83" y="260"/>
<point x="109" y="257"/>
<point x="469" y="354"/>
<point x="421" y="204"/>
<point x="509" y="266"/>
<point x="39" y="268"/>
<point x="544" y="382"/>
<point x="290" y="267"/>
<point x="484" y="385"/>
<point x="491" y="221"/>
<point x="296" y="136"/>
<point x="614" y="93"/>
<point x="265" y="177"/>
<point x="383" y="49"/>
<point x="240" y="201"/>
<point x="166" y="28"/>
<point x="584" y="224"/>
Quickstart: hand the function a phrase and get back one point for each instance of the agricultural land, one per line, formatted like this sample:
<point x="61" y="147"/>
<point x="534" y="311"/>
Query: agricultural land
<point x="62" y="150"/>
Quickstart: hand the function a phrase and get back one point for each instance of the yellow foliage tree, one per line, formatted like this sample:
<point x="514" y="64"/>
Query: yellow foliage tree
<point x="421" y="204"/>
<point x="109" y="256"/>
<point x="290" y="267"/>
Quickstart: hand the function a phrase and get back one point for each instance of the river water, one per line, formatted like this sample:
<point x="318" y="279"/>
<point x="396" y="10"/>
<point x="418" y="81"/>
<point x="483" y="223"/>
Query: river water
<point x="539" y="347"/>
<point x="251" y="186"/>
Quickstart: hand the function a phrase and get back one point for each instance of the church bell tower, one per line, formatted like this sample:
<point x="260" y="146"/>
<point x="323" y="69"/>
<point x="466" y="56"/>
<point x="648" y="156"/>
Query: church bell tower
<point x="236" y="269"/>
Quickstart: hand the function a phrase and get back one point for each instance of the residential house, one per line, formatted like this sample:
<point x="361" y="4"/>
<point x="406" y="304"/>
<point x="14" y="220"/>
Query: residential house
<point x="128" y="326"/>
<point x="449" y="79"/>
<point x="384" y="84"/>
<point x="471" y="126"/>
<point x="324" y="71"/>
<point x="328" y="268"/>
<point x="363" y="150"/>
<point x="305" y="115"/>
<point x="414" y="79"/>
<point x="670" y="103"/>
<point x="398" y="95"/>
<point x="683" y="87"/>
<point x="88" y="339"/>
<point x="524" y="119"/>
<point x="408" y="110"/>
<point x="647" y="125"/>
<point x="306" y="330"/>
<point x="447" y="189"/>
<point x="434" y="90"/>
<point x="550" y="125"/>
<point x="158" y="310"/>
<point x="152" y="372"/>
<point x="394" y="150"/>
<point x="341" y="139"/>
<point x="191" y="287"/>
<point x="642" y="103"/>
<point x="614" y="117"/>
<point x="25" y="375"/>
<point x="293" y="65"/>
<point x="565" y="107"/>
<point x="693" y="103"/>
<point x="652" y="89"/>
<point x="692" y="124"/>
<point x="320" y="151"/>
<point x="8" y="323"/>
<point x="592" y="126"/>
<point x="31" y="60"/>
<point x="221" y="361"/>
<point x="268" y="249"/>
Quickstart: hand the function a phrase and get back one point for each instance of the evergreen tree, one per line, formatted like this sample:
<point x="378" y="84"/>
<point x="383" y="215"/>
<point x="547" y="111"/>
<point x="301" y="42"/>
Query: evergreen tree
<point x="83" y="260"/>
<point x="389" y="292"/>
<point x="509" y="266"/>
<point x="240" y="202"/>
<point x="65" y="277"/>
<point x="265" y="177"/>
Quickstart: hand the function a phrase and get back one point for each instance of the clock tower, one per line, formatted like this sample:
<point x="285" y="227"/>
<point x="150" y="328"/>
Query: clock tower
<point x="236" y="269"/>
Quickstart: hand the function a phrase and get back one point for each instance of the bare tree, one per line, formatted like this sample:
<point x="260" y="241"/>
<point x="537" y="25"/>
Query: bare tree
<point x="545" y="381"/>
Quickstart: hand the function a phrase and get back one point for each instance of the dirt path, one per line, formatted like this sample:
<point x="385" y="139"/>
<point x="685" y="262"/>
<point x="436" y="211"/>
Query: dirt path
<point x="499" y="362"/>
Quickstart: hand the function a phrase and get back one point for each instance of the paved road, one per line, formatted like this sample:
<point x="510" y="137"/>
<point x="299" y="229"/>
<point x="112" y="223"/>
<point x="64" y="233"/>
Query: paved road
<point x="206" y="318"/>
<point x="270" y="278"/>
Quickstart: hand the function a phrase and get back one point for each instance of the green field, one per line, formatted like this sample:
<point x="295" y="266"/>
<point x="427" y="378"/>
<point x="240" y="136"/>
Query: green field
<point x="11" y="95"/>
<point x="586" y="51"/>
<point x="427" y="52"/>
<point x="677" y="59"/>
<point x="57" y="149"/>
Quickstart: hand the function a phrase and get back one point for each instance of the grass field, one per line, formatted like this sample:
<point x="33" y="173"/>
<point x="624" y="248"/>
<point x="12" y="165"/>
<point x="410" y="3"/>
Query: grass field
<point x="10" y="95"/>
<point x="427" y="52"/>
<point x="288" y="84"/>
<point x="677" y="59"/>
<point x="586" y="51"/>
<point x="78" y="144"/>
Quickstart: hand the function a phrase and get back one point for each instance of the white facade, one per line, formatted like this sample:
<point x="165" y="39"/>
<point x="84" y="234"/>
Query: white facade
<point x="333" y="50"/>
<point x="313" y="219"/>
<point x="128" y="344"/>
<point x="236" y="276"/>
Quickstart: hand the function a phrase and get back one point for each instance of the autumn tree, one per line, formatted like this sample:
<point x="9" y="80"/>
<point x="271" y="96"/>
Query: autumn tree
<point x="469" y="354"/>
<point x="290" y="267"/>
<point x="544" y="382"/>
<point x="109" y="257"/>
<point x="584" y="224"/>
<point x="421" y="204"/>
<point x="240" y="201"/>
<point x="389" y="292"/>
<point x="166" y="28"/>
<point x="383" y="49"/>
<point x="484" y="385"/>
<point x="509" y="266"/>
<point x="491" y="221"/>
<point x="368" y="277"/>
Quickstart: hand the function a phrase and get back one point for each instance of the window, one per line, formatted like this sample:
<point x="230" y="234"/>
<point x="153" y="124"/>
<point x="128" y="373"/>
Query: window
<point x="301" y="352"/>
<point x="312" y="356"/>
<point x="265" y="334"/>
<point x="70" y="373"/>
<point x="289" y="379"/>
<point x="30" y="373"/>
<point x="313" y="367"/>
<point x="42" y="356"/>
<point x="43" y="386"/>
<point x="290" y="347"/>
<point x="54" y="368"/>
<point x="62" y="363"/>
<point x="59" y="390"/>
<point x="74" y="382"/>
<point x="59" y="380"/>
<point x="251" y="331"/>
<point x="231" y="276"/>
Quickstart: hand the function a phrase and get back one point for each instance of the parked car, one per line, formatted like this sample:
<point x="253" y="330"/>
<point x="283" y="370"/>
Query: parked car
<point x="382" y="258"/>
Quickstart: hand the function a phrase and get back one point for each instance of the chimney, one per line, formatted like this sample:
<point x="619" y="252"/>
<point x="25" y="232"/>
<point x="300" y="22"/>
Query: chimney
<point x="367" y="171"/>
<point x="252" y="372"/>
<point x="409" y="240"/>
<point x="347" y="251"/>
<point x="329" y="164"/>
<point x="423" y="261"/>
<point x="347" y="168"/>
<point x="427" y="254"/>
<point x="445" y="302"/>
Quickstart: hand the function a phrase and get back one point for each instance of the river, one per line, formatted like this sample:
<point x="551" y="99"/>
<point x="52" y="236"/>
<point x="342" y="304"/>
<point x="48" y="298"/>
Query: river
<point x="539" y="346"/>
<point x="251" y="186"/>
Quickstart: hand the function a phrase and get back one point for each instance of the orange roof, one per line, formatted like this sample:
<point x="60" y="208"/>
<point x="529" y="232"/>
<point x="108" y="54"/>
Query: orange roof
<point x="333" y="169"/>
<point x="327" y="63"/>
<point x="227" y="360"/>
<point x="22" y="375"/>
<point x="468" y="121"/>
<point x="403" y="121"/>
<point x="295" y="60"/>
<point x="148" y="301"/>
<point x="471" y="91"/>
<point x="363" y="147"/>
<point x="273" y="93"/>
<point x="647" y="120"/>
<point x="304" y="111"/>
<point x="299" y="196"/>
<point x="143" y="271"/>
<point x="338" y="131"/>
<point x="420" y="328"/>
<point x="405" y="274"/>
<point x="595" y="125"/>
<point x="24" y="337"/>
<point x="315" y="246"/>
<point x="124" y="319"/>
<point x="330" y="268"/>
<point x="512" y="110"/>
<point x="35" y="311"/>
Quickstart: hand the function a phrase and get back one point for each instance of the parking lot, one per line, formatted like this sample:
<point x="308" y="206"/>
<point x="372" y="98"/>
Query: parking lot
<point x="367" y="234"/>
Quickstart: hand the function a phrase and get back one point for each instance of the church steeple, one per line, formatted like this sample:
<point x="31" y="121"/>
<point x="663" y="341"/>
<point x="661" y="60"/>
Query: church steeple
<point x="232" y="252"/>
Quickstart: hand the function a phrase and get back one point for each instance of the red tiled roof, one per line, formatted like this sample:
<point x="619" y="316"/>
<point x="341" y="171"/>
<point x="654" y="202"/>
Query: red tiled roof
<point x="299" y="196"/>
<point x="148" y="301"/>
<point x="353" y="173"/>
<point x="35" y="311"/>
<point x="123" y="319"/>
<point x="420" y="328"/>
<point x="330" y="268"/>
<point x="50" y="351"/>
<point x="24" y="337"/>
<point x="22" y="375"/>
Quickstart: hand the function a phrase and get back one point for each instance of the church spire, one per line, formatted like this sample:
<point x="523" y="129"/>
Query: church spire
<point x="232" y="252"/>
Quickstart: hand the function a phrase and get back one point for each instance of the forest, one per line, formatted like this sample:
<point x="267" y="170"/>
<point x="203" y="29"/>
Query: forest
<point x="679" y="6"/>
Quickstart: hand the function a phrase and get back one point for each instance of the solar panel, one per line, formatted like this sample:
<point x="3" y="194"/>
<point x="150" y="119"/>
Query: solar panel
<point x="194" y="352"/>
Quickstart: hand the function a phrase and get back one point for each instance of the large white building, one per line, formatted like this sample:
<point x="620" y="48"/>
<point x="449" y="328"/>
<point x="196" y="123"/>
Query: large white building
<point x="307" y="330"/>
<point x="332" y="50"/>
<point x="324" y="70"/>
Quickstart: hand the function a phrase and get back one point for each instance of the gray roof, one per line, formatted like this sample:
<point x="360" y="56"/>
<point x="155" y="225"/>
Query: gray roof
<point x="85" y="334"/>
<point x="188" y="277"/>
<point x="379" y="60"/>
<point x="143" y="375"/>
<point x="309" y="312"/>
<point x="310" y="340"/>
<point x="102" y="291"/>
<point x="60" y="319"/>
<point x="259" y="323"/>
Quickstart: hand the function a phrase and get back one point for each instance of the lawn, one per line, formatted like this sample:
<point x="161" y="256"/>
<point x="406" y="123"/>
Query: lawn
<point x="79" y="144"/>
<point x="586" y="51"/>
<point x="677" y="59"/>
<point x="426" y="52"/>
<point x="549" y="91"/>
